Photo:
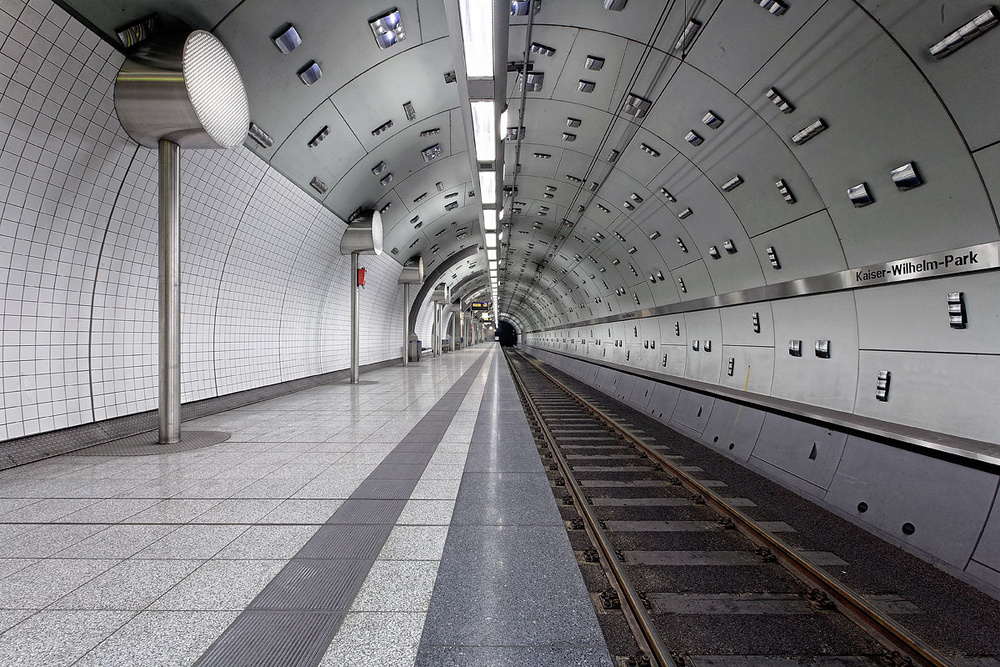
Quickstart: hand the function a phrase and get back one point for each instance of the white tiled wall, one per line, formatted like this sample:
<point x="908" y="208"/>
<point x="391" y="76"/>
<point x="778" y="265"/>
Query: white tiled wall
<point x="265" y="288"/>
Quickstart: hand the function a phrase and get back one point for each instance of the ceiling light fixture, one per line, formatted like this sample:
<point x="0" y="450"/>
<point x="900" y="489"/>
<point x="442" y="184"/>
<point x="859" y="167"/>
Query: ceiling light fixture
<point x="287" y="40"/>
<point x="387" y="29"/>
<point x="311" y="73"/>
<point x="488" y="186"/>
<point x="484" y="129"/>
<point x="477" y="36"/>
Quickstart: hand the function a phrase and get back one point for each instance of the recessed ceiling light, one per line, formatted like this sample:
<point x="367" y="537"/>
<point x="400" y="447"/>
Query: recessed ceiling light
<point x="318" y="185"/>
<point x="411" y="113"/>
<point x="615" y="5"/>
<point x="808" y="132"/>
<point x="586" y="86"/>
<point x="573" y="122"/>
<point x="783" y="105"/>
<point x="311" y="73"/>
<point x="287" y="39"/>
<point x="379" y="168"/>
<point x="388" y="29"/>
<point x="594" y="63"/>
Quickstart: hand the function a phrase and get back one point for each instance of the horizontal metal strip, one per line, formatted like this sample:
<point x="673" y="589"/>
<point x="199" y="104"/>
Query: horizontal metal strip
<point x="967" y="451"/>
<point x="981" y="257"/>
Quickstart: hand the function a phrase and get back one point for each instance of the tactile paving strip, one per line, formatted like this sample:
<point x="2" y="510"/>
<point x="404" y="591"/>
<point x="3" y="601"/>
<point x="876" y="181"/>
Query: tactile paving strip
<point x="327" y="573"/>
<point x="271" y="638"/>
<point x="146" y="444"/>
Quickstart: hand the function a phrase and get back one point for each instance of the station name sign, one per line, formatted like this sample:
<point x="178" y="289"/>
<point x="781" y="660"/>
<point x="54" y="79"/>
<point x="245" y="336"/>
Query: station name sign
<point x="962" y="260"/>
<point x="480" y="305"/>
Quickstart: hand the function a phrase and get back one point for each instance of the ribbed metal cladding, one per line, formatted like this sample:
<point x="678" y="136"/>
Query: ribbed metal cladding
<point x="216" y="89"/>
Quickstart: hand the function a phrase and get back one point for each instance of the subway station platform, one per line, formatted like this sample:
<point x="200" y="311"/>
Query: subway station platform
<point x="404" y="521"/>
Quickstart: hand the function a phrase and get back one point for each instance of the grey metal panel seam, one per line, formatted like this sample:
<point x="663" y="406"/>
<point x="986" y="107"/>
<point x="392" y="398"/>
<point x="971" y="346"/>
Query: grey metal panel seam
<point x="297" y="614"/>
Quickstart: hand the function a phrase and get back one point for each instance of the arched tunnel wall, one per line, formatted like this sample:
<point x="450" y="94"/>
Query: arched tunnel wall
<point x="265" y="288"/>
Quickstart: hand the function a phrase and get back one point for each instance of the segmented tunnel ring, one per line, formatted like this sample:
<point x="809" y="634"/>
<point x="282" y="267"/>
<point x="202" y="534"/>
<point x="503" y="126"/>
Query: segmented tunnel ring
<point x="825" y="593"/>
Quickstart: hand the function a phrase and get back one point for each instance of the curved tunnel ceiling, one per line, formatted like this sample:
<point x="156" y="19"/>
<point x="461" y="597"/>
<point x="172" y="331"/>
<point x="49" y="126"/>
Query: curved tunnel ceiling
<point x="612" y="211"/>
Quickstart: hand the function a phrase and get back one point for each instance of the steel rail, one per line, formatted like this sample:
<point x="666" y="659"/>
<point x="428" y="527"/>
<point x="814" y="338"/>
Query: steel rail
<point x="885" y="630"/>
<point x="636" y="608"/>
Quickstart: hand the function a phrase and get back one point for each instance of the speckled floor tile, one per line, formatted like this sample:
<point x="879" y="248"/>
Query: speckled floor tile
<point x="427" y="513"/>
<point x="414" y="543"/>
<point x="130" y="585"/>
<point x="268" y="542"/>
<point x="220" y="585"/>
<point x="118" y="541"/>
<point x="373" y="638"/>
<point x="245" y="511"/>
<point x="436" y="489"/>
<point x="112" y="510"/>
<point x="44" y="582"/>
<point x="160" y="639"/>
<point x="9" y="566"/>
<point x="393" y="585"/>
<point x="302" y="512"/>
<point x="192" y="542"/>
<point x="57" y="638"/>
<point x="11" y="617"/>
<point x="44" y="541"/>
<point x="174" y="511"/>
<point x="513" y="656"/>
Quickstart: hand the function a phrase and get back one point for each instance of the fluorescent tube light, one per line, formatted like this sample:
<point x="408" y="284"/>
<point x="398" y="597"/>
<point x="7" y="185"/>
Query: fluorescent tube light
<point x="488" y="186"/>
<point x="477" y="35"/>
<point x="491" y="253"/>
<point x="490" y="220"/>
<point x="484" y="129"/>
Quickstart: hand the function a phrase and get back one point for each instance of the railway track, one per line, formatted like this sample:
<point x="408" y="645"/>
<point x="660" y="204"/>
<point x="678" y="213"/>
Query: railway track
<point x="699" y="582"/>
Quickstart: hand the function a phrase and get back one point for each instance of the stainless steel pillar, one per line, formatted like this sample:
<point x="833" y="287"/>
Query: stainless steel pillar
<point x="406" y="324"/>
<point x="170" y="292"/>
<point x="355" y="322"/>
<point x="456" y="330"/>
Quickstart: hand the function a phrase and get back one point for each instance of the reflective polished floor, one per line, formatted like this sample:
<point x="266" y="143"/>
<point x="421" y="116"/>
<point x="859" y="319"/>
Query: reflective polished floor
<point x="406" y="520"/>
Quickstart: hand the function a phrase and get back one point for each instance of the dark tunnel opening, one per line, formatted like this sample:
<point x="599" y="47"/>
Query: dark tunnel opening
<point x="507" y="334"/>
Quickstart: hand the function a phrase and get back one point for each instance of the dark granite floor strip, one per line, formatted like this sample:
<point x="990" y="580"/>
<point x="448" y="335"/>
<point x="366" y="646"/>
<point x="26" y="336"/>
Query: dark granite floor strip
<point x="509" y="590"/>
<point x="294" y="619"/>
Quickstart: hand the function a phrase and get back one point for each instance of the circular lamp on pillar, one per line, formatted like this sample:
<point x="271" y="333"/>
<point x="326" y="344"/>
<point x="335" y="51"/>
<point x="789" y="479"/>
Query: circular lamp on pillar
<point x="412" y="274"/>
<point x="363" y="235"/>
<point x="184" y="89"/>
<point x="178" y="89"/>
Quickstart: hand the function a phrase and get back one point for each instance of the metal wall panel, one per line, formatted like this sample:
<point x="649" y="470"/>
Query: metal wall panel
<point x="932" y="391"/>
<point x="753" y="368"/>
<point x="959" y="78"/>
<point x="329" y="161"/>
<point x="881" y="114"/>
<point x="806" y="247"/>
<point x="737" y="325"/>
<point x="733" y="429"/>
<point x="278" y="99"/>
<point x="988" y="161"/>
<point x="701" y="365"/>
<point x="723" y="51"/>
<point x="914" y="316"/>
<point x="798" y="452"/>
<point x="808" y="379"/>
<point x="642" y="392"/>
<point x="692" y="411"/>
<point x="662" y="402"/>
<point x="947" y="504"/>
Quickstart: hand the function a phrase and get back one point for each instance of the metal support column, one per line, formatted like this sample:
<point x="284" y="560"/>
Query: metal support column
<point x="355" y="322"/>
<point x="170" y="292"/>
<point x="406" y="324"/>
